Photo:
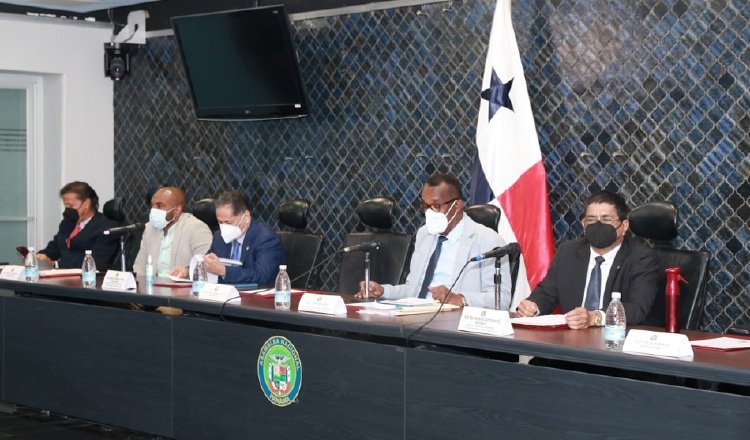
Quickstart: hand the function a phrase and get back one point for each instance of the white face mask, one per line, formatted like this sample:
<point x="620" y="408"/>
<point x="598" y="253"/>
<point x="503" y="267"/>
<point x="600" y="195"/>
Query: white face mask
<point x="158" y="218"/>
<point x="437" y="222"/>
<point x="231" y="232"/>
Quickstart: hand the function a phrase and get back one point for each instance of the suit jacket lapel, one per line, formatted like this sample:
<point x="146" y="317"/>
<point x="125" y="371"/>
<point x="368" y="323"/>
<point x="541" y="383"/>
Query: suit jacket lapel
<point x="622" y="254"/>
<point x="464" y="248"/>
<point x="582" y="255"/>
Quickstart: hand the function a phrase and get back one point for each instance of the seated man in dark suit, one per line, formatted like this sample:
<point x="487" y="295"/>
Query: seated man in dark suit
<point x="586" y="271"/>
<point x="243" y="238"/>
<point x="81" y="229"/>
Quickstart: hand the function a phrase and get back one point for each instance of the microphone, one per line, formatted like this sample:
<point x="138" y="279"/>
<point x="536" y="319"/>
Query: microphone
<point x="500" y="251"/>
<point x="124" y="229"/>
<point x="367" y="246"/>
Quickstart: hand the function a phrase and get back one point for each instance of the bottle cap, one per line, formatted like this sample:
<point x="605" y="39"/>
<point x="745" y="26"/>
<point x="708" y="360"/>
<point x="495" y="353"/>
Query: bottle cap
<point x="30" y="248"/>
<point x="88" y="252"/>
<point x="282" y="267"/>
<point x="616" y="295"/>
<point x="149" y="260"/>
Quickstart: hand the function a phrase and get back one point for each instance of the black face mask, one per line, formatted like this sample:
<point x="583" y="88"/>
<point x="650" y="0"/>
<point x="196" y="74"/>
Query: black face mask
<point x="70" y="214"/>
<point x="600" y="235"/>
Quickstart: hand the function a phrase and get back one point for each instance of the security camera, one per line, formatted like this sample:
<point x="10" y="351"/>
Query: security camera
<point x="117" y="60"/>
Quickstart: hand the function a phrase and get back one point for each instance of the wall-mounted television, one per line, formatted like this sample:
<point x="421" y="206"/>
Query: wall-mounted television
<point x="241" y="64"/>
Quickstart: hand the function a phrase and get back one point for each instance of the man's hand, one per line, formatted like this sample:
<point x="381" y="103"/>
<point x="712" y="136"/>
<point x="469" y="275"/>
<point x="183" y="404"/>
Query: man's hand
<point x="213" y="265"/>
<point x="42" y="258"/>
<point x="527" y="308"/>
<point x="439" y="293"/>
<point x="376" y="290"/>
<point x="180" y="272"/>
<point x="579" y="318"/>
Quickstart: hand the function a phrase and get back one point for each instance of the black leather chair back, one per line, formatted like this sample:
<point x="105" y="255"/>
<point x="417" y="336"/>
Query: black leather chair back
<point x="489" y="216"/>
<point x="205" y="211"/>
<point x="658" y="221"/>
<point x="114" y="210"/>
<point x="301" y="246"/>
<point x="387" y="263"/>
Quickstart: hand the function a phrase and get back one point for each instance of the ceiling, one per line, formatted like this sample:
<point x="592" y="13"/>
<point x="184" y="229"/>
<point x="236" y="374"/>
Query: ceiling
<point x="160" y="11"/>
<point x="81" y="6"/>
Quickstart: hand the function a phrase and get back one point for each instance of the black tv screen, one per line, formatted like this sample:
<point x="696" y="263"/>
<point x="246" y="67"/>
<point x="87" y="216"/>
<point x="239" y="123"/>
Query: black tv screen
<point x="241" y="64"/>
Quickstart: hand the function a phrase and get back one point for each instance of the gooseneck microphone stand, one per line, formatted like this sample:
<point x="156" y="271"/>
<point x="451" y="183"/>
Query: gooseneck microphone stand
<point x="367" y="276"/>
<point x="498" y="282"/>
<point x="122" y="252"/>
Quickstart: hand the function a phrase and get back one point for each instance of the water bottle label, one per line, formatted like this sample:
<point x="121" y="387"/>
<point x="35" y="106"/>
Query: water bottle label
<point x="614" y="333"/>
<point x="32" y="273"/>
<point x="198" y="286"/>
<point x="283" y="296"/>
<point x="88" y="277"/>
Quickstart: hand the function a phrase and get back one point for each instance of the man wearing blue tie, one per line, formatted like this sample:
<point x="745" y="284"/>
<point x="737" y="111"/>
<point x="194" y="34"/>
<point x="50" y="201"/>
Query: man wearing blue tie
<point x="586" y="271"/>
<point x="243" y="239"/>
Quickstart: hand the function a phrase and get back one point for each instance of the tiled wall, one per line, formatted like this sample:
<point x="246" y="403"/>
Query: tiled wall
<point x="646" y="97"/>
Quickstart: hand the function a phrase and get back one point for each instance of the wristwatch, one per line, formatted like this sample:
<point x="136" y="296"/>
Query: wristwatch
<point x="597" y="319"/>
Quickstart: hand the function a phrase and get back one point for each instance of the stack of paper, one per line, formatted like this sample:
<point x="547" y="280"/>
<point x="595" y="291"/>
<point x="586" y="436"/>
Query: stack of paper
<point x="402" y="307"/>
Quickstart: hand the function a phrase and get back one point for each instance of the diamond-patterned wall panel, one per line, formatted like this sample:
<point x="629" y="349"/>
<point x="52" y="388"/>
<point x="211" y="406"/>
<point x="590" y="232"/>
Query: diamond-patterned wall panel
<point x="648" y="98"/>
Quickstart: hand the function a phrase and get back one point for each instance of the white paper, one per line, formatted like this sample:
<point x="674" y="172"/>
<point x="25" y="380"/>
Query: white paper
<point x="325" y="304"/>
<point x="116" y="280"/>
<point x="410" y="302"/>
<point x="266" y="292"/>
<point x="541" y="320"/>
<point x="180" y="280"/>
<point x="485" y="321"/>
<point x="722" y="343"/>
<point x="230" y="262"/>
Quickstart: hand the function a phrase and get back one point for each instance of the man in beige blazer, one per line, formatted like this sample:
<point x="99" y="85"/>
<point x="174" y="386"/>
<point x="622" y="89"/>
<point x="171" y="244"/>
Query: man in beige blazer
<point x="172" y="236"/>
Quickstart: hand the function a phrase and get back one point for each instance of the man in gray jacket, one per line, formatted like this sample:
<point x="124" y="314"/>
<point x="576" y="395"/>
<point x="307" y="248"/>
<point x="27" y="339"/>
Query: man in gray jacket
<point x="443" y="245"/>
<point x="172" y="236"/>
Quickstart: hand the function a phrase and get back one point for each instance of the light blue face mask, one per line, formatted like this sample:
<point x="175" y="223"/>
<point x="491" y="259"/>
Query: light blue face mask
<point x="158" y="218"/>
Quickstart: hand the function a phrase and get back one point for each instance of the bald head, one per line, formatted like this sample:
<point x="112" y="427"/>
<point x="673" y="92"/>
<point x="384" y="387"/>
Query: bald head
<point x="170" y="199"/>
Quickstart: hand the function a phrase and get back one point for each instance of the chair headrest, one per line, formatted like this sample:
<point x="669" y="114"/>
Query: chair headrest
<point x="205" y="211"/>
<point x="293" y="213"/>
<point x="487" y="215"/>
<point x="115" y="209"/>
<point x="654" y="220"/>
<point x="377" y="213"/>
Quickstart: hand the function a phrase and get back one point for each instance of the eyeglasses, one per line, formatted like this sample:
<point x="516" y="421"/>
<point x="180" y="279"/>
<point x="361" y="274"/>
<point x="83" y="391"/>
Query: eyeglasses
<point x="437" y="207"/>
<point x="606" y="219"/>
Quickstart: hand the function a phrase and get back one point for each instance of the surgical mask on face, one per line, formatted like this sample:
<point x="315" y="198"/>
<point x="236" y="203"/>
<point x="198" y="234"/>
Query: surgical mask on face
<point x="437" y="222"/>
<point x="231" y="232"/>
<point x="158" y="218"/>
<point x="600" y="235"/>
<point x="71" y="214"/>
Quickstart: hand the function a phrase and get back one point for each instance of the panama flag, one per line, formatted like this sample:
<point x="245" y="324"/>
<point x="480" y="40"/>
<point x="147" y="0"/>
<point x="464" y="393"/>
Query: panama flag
<point x="510" y="171"/>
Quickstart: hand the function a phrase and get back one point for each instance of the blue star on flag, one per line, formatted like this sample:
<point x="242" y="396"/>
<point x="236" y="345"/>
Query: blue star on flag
<point x="498" y="94"/>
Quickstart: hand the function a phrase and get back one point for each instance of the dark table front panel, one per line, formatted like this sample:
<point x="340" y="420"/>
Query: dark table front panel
<point x="351" y="389"/>
<point x="98" y="363"/>
<point x="451" y="396"/>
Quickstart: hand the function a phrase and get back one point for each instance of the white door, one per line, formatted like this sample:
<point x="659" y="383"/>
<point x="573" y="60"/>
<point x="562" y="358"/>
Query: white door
<point x="17" y="228"/>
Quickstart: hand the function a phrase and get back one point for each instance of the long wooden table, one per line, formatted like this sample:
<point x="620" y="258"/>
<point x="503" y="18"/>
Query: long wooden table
<point x="84" y="353"/>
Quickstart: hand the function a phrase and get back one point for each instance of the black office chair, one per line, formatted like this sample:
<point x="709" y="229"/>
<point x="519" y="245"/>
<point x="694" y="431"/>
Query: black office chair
<point x="205" y="211"/>
<point x="657" y="221"/>
<point x="300" y="246"/>
<point x="387" y="263"/>
<point x="115" y="210"/>
<point x="489" y="215"/>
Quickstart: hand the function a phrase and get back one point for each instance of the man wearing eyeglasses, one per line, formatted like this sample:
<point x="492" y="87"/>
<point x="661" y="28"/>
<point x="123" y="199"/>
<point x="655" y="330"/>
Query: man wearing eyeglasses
<point x="586" y="271"/>
<point x="442" y="247"/>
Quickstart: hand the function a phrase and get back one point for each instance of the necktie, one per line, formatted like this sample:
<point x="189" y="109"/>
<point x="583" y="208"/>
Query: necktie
<point x="75" y="232"/>
<point x="430" y="272"/>
<point x="235" y="255"/>
<point x="595" y="285"/>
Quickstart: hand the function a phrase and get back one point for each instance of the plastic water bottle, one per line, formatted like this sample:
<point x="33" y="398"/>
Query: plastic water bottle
<point x="282" y="298"/>
<point x="149" y="271"/>
<point x="199" y="275"/>
<point x="31" y="273"/>
<point x="88" y="271"/>
<point x="614" y="323"/>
